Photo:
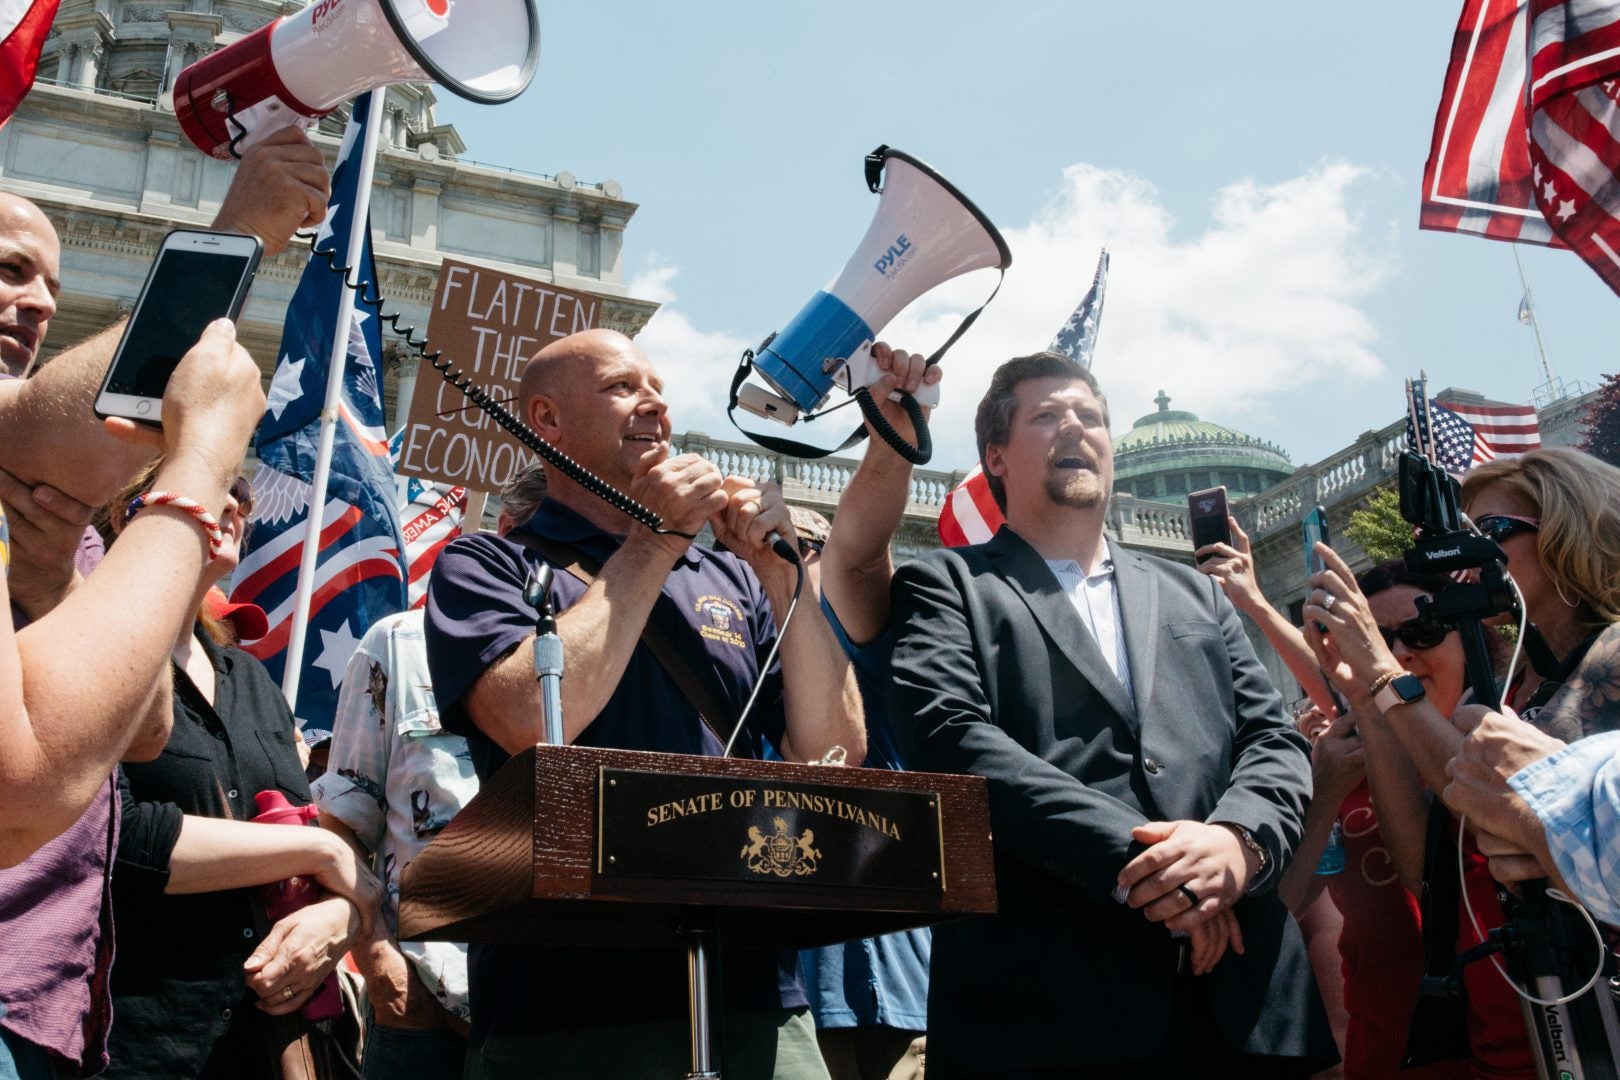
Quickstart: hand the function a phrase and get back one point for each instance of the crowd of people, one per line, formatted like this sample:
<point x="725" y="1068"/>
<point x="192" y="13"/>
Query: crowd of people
<point x="1163" y="827"/>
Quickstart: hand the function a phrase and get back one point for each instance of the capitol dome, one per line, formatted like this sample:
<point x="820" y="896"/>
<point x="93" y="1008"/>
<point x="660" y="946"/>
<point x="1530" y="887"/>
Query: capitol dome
<point x="1171" y="452"/>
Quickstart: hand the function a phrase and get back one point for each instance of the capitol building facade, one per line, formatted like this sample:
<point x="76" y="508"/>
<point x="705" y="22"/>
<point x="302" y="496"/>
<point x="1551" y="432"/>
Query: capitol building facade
<point x="97" y="146"/>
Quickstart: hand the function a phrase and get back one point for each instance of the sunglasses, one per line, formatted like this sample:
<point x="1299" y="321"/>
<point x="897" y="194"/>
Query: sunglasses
<point x="1424" y="632"/>
<point x="809" y="545"/>
<point x="1499" y="527"/>
<point x="242" y="492"/>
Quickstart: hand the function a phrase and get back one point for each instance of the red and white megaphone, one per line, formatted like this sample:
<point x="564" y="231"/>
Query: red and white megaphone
<point x="302" y="66"/>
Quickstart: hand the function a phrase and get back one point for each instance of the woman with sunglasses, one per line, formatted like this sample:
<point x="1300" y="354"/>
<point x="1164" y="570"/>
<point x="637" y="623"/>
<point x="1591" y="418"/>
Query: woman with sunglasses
<point x="204" y="985"/>
<point x="1556" y="515"/>
<point x="1373" y="634"/>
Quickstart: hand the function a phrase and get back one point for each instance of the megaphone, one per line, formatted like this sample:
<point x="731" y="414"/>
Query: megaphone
<point x="925" y="233"/>
<point x="300" y="67"/>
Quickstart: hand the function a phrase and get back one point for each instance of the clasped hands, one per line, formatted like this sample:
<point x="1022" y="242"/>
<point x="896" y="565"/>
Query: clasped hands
<point x="1188" y="879"/>
<point x="688" y="491"/>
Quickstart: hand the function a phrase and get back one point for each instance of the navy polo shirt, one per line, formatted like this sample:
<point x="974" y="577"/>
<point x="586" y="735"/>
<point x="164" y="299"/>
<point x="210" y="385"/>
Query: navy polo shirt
<point x="714" y="610"/>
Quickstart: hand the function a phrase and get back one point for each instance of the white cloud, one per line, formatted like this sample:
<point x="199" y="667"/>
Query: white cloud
<point x="1228" y="320"/>
<point x="691" y="361"/>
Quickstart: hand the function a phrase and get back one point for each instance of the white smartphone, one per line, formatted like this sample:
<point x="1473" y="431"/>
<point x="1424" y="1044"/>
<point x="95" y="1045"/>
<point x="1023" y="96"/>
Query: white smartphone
<point x="196" y="278"/>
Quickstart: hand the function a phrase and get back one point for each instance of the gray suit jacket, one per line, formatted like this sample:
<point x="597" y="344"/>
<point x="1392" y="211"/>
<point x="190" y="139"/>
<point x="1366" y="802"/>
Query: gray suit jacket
<point x="995" y="674"/>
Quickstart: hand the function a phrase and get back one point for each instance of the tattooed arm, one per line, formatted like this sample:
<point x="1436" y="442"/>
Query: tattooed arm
<point x="1589" y="703"/>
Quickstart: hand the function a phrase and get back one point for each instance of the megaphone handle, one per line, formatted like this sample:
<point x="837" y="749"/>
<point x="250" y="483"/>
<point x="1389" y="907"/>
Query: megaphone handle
<point x="920" y="454"/>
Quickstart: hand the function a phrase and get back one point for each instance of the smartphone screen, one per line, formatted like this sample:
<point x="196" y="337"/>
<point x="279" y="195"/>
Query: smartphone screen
<point x="1208" y="516"/>
<point x="1315" y="530"/>
<point x="190" y="286"/>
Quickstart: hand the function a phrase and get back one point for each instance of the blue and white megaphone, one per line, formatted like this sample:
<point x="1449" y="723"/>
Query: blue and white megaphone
<point x="925" y="233"/>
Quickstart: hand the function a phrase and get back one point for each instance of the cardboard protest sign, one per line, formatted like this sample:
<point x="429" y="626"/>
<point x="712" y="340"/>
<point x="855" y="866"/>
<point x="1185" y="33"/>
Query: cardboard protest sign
<point x="488" y="323"/>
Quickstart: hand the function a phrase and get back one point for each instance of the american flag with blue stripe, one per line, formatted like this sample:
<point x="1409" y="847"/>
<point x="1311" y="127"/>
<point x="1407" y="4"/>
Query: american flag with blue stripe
<point x="431" y="515"/>
<point x="360" y="574"/>
<point x="1464" y="435"/>
<point x="1078" y="338"/>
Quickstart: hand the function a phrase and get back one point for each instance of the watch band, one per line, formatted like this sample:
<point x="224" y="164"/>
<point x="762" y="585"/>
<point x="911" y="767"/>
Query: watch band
<point x="1378" y="684"/>
<point x="1390" y="695"/>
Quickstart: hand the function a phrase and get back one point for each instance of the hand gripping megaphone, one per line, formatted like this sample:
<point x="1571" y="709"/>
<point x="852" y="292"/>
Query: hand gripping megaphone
<point x="302" y="66"/>
<point x="925" y="232"/>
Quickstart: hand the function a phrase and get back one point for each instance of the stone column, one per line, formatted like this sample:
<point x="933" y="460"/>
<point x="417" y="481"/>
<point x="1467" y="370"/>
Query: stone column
<point x="565" y="240"/>
<point x="424" y="226"/>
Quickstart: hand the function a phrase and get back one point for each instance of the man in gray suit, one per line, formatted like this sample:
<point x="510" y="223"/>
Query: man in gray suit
<point x="1145" y="784"/>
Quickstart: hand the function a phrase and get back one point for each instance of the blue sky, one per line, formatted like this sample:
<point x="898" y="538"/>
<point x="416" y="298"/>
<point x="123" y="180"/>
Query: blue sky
<point x="1254" y="168"/>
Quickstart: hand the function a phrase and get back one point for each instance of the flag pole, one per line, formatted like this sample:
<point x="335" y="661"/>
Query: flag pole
<point x="336" y="366"/>
<point x="1535" y="324"/>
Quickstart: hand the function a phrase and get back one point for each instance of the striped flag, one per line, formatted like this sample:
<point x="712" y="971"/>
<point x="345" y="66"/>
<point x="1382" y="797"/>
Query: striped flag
<point x="23" y="26"/>
<point x="970" y="515"/>
<point x="359" y="576"/>
<point x="430" y="517"/>
<point x="1478" y="178"/>
<point x="1527" y="140"/>
<point x="1500" y="431"/>
<point x="1464" y="435"/>
<point x="1575" y="126"/>
<point x="1078" y="338"/>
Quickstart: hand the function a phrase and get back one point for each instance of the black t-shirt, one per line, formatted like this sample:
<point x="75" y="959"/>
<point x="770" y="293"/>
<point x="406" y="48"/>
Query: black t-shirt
<point x="181" y="1002"/>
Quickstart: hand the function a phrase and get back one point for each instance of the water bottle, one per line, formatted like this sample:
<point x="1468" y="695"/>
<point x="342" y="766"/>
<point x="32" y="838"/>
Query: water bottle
<point x="282" y="898"/>
<point x="1333" y="860"/>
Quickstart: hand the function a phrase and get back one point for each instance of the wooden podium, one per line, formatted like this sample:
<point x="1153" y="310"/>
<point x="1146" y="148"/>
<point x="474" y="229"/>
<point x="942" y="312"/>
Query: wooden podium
<point x="584" y="846"/>
<point x="575" y="845"/>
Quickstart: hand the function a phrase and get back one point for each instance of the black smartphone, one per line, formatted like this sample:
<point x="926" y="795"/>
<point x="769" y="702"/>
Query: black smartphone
<point x="1315" y="529"/>
<point x="196" y="278"/>
<point x="1207" y="511"/>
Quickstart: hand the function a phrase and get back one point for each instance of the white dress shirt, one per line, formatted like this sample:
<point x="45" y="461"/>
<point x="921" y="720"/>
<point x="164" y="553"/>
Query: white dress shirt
<point x="1096" y="601"/>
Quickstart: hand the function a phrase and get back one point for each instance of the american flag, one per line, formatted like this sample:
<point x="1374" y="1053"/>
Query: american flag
<point x="430" y="517"/>
<point x="23" y="25"/>
<point x="1527" y="141"/>
<point x="359" y="577"/>
<point x="1078" y="338"/>
<point x="970" y="514"/>
<point x="1465" y="435"/>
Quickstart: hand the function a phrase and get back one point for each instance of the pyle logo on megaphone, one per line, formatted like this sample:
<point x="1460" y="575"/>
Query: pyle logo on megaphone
<point x="302" y="66"/>
<point x="894" y="259"/>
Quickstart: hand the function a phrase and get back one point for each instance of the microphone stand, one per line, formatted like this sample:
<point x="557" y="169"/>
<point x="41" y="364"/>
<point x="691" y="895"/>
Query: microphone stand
<point x="700" y="938"/>
<point x="548" y="652"/>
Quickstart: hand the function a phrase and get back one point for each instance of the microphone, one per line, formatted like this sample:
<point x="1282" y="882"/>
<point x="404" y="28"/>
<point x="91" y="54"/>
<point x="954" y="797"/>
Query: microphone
<point x="548" y="651"/>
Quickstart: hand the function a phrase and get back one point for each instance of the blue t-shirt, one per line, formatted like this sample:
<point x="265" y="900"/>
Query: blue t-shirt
<point x="715" y="611"/>
<point x="881" y="980"/>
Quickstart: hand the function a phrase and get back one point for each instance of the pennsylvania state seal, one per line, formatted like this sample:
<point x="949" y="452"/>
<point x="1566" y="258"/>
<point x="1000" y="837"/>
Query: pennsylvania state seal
<point x="781" y="853"/>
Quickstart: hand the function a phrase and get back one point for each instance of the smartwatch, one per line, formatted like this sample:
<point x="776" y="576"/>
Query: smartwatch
<point x="1401" y="690"/>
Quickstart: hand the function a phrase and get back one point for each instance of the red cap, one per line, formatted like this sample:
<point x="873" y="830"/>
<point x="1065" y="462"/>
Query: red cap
<point x="249" y="619"/>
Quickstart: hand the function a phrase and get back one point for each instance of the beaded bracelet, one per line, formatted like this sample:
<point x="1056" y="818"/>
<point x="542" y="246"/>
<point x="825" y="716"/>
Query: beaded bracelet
<point x="210" y="524"/>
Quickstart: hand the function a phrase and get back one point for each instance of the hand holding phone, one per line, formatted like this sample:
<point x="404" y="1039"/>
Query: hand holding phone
<point x="197" y="277"/>
<point x="1207" y="514"/>
<point x="1314" y="527"/>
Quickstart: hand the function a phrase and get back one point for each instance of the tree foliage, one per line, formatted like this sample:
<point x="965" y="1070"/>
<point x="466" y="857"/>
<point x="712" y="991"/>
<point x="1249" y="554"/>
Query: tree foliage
<point x="1378" y="526"/>
<point x="1600" y="425"/>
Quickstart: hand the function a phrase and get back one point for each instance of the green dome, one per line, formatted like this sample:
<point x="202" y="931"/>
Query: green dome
<point x="1171" y="452"/>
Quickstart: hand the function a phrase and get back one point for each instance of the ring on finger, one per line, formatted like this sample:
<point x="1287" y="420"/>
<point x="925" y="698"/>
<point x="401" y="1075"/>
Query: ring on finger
<point x="287" y="993"/>
<point x="1328" y="601"/>
<point x="1192" y="897"/>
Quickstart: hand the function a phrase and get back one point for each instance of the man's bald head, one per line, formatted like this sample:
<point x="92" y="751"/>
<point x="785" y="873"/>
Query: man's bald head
<point x="31" y="256"/>
<point x="562" y="363"/>
<point x="595" y="396"/>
